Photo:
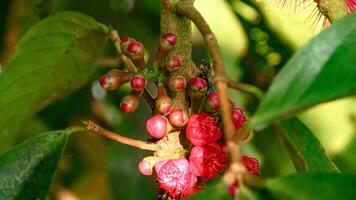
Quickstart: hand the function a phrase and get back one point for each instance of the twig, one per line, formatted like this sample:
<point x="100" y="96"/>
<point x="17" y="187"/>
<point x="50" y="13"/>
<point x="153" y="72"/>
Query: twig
<point x="108" y="62"/>
<point x="244" y="87"/>
<point x="91" y="126"/>
<point x="189" y="11"/>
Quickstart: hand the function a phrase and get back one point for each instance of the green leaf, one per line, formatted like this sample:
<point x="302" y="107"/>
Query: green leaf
<point x="314" y="186"/>
<point x="321" y="71"/>
<point x="54" y="58"/>
<point x="246" y="193"/>
<point x="26" y="170"/>
<point x="305" y="150"/>
<point x="213" y="191"/>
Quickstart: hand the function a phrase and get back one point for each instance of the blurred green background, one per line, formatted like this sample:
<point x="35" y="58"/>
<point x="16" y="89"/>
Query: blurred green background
<point x="256" y="40"/>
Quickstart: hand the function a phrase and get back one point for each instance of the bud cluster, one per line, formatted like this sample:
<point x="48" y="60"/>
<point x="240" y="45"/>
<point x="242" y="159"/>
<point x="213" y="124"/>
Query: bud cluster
<point x="197" y="154"/>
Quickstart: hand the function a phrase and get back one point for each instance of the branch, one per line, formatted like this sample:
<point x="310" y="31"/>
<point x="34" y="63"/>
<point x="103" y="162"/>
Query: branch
<point x="108" y="62"/>
<point x="193" y="14"/>
<point x="91" y="126"/>
<point x="244" y="87"/>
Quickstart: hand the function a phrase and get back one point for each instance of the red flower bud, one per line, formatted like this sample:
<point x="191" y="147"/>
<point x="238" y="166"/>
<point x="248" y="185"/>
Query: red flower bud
<point x="158" y="126"/>
<point x="177" y="83"/>
<point x="178" y="117"/>
<point x="145" y="167"/>
<point x="136" y="52"/>
<point x="114" y="79"/>
<point x="138" y="82"/>
<point x="164" y="105"/>
<point x="174" y="177"/>
<point x="170" y="38"/>
<point x="173" y="64"/>
<point x="232" y="189"/>
<point x="251" y="164"/>
<point x="167" y="42"/>
<point x="125" y="41"/>
<point x="212" y="103"/>
<point x="198" y="84"/>
<point x="202" y="129"/>
<point x="238" y="118"/>
<point x="129" y="103"/>
<point x="207" y="161"/>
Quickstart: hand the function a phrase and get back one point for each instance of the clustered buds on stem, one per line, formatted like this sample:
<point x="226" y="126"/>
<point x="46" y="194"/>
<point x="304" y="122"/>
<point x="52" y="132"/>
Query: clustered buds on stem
<point x="188" y="137"/>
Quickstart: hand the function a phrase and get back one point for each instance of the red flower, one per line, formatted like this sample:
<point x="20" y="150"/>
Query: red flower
<point x="202" y="129"/>
<point x="207" y="161"/>
<point x="238" y="118"/>
<point x="351" y="4"/>
<point x="174" y="177"/>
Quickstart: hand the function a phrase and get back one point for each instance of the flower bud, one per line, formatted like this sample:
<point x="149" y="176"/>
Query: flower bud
<point x="167" y="42"/>
<point x="138" y="82"/>
<point x="145" y="168"/>
<point x="198" y="84"/>
<point x="136" y="52"/>
<point x="174" y="177"/>
<point x="177" y="83"/>
<point x="125" y="41"/>
<point x="158" y="126"/>
<point x="251" y="164"/>
<point x="202" y="129"/>
<point x="163" y="102"/>
<point x="178" y="117"/>
<point x="129" y="103"/>
<point x="238" y="118"/>
<point x="114" y="79"/>
<point x="212" y="103"/>
<point x="173" y="64"/>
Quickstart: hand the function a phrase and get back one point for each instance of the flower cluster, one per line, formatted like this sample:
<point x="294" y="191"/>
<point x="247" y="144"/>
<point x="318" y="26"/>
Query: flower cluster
<point x="188" y="137"/>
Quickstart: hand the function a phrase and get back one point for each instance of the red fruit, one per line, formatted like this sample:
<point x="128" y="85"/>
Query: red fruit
<point x="206" y="161"/>
<point x="138" y="82"/>
<point x="129" y="103"/>
<point x="170" y="38"/>
<point x="158" y="126"/>
<point x="145" y="167"/>
<point x="202" y="129"/>
<point x="173" y="64"/>
<point x="198" y="84"/>
<point x="251" y="164"/>
<point x="178" y="117"/>
<point x="238" y="118"/>
<point x="174" y="177"/>
<point x="177" y="83"/>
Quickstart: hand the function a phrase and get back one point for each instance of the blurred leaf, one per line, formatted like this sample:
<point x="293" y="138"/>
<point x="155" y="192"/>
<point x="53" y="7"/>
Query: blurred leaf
<point x="314" y="186"/>
<point x="26" y="170"/>
<point x="246" y="193"/>
<point x="305" y="150"/>
<point x="54" y="58"/>
<point x="214" y="191"/>
<point x="322" y="71"/>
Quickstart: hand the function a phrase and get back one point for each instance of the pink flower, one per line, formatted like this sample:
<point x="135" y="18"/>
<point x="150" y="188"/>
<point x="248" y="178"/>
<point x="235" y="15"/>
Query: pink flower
<point x="351" y="4"/>
<point x="174" y="177"/>
<point x="238" y="118"/>
<point x="207" y="161"/>
<point x="202" y="129"/>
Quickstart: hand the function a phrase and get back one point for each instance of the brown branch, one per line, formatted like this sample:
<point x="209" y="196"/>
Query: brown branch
<point x="193" y="14"/>
<point x="244" y="87"/>
<point x="91" y="126"/>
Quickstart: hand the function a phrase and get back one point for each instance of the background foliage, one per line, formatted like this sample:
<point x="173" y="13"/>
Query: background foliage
<point x="50" y="83"/>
